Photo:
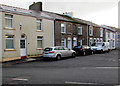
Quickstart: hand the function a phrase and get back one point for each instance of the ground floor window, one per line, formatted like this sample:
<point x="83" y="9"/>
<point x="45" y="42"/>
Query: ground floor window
<point x="39" y="42"/>
<point x="9" y="41"/>
<point x="113" y="43"/>
<point x="91" y="41"/>
<point x="63" y="42"/>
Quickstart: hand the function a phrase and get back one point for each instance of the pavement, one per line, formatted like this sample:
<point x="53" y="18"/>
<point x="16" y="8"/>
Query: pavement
<point x="19" y="61"/>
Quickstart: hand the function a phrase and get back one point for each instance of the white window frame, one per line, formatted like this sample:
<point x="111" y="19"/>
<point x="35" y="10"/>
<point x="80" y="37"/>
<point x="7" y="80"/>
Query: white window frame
<point x="63" y="42"/>
<point x="90" y="30"/>
<point x="9" y="18"/>
<point x="63" y="27"/>
<point x="113" y="36"/>
<point x="80" y="30"/>
<point x="9" y="39"/>
<point x="91" y="41"/>
<point x="108" y="35"/>
<point x="39" y="38"/>
<point x="39" y="22"/>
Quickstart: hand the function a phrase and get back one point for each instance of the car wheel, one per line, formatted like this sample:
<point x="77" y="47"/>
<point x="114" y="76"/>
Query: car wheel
<point x="84" y="53"/>
<point x="108" y="51"/>
<point x="101" y="51"/>
<point x="73" y="55"/>
<point x="58" y="57"/>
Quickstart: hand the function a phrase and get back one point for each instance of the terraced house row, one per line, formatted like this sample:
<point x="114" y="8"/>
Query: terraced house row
<point x="26" y="32"/>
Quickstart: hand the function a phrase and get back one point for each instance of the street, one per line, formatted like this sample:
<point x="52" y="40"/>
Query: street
<point x="96" y="69"/>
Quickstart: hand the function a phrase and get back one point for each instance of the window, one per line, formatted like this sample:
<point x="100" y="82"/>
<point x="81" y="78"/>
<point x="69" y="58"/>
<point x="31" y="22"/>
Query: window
<point x="113" y="36"/>
<point x="113" y="43"/>
<point x="91" y="31"/>
<point x="8" y="21"/>
<point x="63" y="28"/>
<point x="108" y="35"/>
<point x="39" y="42"/>
<point x="9" y="42"/>
<point x="101" y="32"/>
<point x="91" y="41"/>
<point x="63" y="42"/>
<point x="39" y="24"/>
<point x="80" y="30"/>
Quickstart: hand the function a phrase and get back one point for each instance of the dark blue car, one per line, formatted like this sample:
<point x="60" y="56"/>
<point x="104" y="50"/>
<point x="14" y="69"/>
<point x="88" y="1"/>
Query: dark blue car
<point x="83" y="50"/>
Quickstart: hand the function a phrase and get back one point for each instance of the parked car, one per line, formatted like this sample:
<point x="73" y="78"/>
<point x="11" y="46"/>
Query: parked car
<point x="58" y="52"/>
<point x="100" y="47"/>
<point x="83" y="50"/>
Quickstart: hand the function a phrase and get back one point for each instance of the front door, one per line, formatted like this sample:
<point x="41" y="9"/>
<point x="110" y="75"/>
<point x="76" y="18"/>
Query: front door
<point x="69" y="43"/>
<point x="23" y="47"/>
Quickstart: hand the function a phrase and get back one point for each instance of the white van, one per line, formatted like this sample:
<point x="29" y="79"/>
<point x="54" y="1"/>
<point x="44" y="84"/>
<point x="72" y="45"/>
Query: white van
<point x="100" y="46"/>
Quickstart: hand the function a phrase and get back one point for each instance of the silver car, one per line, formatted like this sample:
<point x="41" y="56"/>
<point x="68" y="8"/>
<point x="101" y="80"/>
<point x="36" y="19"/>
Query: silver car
<point x="58" y="52"/>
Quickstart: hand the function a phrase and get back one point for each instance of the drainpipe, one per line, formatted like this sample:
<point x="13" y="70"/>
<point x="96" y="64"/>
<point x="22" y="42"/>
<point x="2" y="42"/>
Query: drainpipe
<point x="1" y="38"/>
<point x="87" y="34"/>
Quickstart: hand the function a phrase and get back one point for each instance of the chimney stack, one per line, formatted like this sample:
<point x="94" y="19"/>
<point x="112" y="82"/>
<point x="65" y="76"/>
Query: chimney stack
<point x="36" y="6"/>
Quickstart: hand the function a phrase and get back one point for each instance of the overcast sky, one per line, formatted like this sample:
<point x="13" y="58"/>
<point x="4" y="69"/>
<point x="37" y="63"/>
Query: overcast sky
<point x="97" y="11"/>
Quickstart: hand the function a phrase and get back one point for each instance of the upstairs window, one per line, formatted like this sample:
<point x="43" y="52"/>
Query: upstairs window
<point x="9" y="41"/>
<point x="63" y="28"/>
<point x="79" y="30"/>
<point x="39" y="24"/>
<point x="8" y="20"/>
<point x="91" y="31"/>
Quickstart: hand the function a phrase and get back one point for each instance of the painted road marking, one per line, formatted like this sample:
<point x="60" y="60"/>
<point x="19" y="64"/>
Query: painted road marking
<point x="100" y="67"/>
<point x="70" y="82"/>
<point x="19" y="79"/>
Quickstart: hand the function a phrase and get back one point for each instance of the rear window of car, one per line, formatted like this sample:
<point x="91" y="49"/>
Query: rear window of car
<point x="78" y="47"/>
<point x="48" y="49"/>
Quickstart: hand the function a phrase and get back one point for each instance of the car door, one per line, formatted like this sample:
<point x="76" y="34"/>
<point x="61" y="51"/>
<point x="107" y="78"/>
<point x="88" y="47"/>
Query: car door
<point x="62" y="51"/>
<point x="68" y="52"/>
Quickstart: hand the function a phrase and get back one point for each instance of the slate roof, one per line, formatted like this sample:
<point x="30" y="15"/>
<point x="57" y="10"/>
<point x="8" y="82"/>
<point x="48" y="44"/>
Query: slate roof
<point x="21" y="11"/>
<point x="108" y="28"/>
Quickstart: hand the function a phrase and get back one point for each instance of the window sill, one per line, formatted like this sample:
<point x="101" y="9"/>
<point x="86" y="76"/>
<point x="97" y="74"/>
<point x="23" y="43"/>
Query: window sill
<point x="9" y="50"/>
<point x="39" y="31"/>
<point x="9" y="28"/>
<point x="79" y="34"/>
<point x="39" y="48"/>
<point x="63" y="32"/>
<point x="90" y="35"/>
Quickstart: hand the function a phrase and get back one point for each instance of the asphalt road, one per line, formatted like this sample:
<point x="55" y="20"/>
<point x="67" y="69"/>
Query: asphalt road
<point x="97" y="69"/>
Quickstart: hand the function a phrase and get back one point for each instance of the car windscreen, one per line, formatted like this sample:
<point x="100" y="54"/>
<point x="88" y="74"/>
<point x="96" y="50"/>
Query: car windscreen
<point x="94" y="44"/>
<point x="48" y="49"/>
<point x="78" y="47"/>
<point x="99" y="44"/>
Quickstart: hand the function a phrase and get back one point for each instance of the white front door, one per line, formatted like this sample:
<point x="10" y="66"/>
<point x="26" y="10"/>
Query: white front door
<point x="69" y="43"/>
<point x="74" y="41"/>
<point x="23" y="47"/>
